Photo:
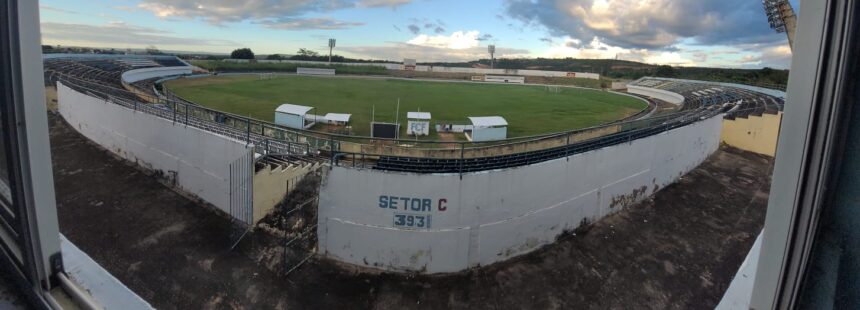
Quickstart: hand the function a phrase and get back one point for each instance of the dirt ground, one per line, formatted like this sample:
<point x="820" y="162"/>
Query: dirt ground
<point x="678" y="250"/>
<point x="10" y="297"/>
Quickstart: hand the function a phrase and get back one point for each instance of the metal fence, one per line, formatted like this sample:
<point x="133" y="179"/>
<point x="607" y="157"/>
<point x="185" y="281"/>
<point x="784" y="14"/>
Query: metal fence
<point x="242" y="195"/>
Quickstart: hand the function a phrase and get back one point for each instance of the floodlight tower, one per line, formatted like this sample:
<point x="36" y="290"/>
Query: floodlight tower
<point x="492" y="50"/>
<point x="331" y="43"/>
<point x="781" y="17"/>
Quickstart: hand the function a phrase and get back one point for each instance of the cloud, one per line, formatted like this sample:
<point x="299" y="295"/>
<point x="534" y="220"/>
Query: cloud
<point x="118" y="34"/>
<point x="56" y="9"/>
<point x="414" y="29"/>
<point x="416" y="25"/>
<point x="596" y="49"/>
<point x="457" y="40"/>
<point x="308" y="23"/>
<point x="777" y="56"/>
<point x="651" y="24"/>
<point x="218" y="12"/>
<point x="700" y="57"/>
<point x="457" y="46"/>
<point x="382" y="3"/>
<point x="397" y="51"/>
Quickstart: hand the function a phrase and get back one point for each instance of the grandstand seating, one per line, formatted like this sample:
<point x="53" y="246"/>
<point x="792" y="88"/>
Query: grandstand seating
<point x="736" y="101"/>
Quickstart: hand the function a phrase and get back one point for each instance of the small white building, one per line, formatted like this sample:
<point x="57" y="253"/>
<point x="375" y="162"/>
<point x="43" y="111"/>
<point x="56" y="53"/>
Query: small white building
<point x="293" y="116"/>
<point x="488" y="128"/>
<point x="339" y="119"/>
<point x="418" y="123"/>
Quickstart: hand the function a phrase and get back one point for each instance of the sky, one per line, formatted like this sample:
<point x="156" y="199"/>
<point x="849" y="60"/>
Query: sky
<point x="713" y="33"/>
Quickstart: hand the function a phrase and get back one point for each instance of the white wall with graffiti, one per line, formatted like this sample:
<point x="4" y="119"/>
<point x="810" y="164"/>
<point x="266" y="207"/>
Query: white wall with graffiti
<point x="437" y="223"/>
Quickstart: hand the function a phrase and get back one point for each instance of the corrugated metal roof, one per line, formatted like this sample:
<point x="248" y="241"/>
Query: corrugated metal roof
<point x="293" y="109"/>
<point x="418" y="115"/>
<point x="488" y="121"/>
<point x="337" y="117"/>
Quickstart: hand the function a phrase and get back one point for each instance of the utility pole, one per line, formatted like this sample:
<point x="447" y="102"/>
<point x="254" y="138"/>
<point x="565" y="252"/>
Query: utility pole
<point x="331" y="43"/>
<point x="397" y="119"/>
<point x="492" y="50"/>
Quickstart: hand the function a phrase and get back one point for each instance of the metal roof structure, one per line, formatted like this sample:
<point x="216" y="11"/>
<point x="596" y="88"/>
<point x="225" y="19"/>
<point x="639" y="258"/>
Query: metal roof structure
<point x="488" y="121"/>
<point x="293" y="109"/>
<point x="337" y="117"/>
<point x="418" y="115"/>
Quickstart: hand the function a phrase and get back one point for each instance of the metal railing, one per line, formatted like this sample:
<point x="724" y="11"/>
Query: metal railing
<point x="465" y="164"/>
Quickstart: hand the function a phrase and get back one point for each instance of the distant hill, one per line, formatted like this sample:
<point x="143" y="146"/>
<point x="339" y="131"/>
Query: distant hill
<point x="629" y="70"/>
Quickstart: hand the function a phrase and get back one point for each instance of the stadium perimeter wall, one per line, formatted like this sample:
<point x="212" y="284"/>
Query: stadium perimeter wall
<point x="135" y="75"/>
<point x="199" y="159"/>
<point x="397" y="66"/>
<point x="664" y="95"/>
<point x="490" y="216"/>
<point x="758" y="134"/>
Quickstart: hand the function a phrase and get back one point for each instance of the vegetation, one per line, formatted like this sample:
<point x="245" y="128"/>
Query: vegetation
<point x="242" y="53"/>
<point x="153" y="50"/>
<point x="529" y="110"/>
<point x="276" y="57"/>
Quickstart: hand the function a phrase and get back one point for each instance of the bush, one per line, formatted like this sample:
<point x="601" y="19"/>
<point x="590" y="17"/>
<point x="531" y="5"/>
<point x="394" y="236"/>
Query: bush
<point x="242" y="53"/>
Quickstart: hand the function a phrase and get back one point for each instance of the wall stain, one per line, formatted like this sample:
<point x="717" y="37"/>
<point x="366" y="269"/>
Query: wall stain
<point x="625" y="200"/>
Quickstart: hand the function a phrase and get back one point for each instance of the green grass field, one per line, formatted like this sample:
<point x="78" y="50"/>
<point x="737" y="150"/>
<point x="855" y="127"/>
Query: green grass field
<point x="529" y="110"/>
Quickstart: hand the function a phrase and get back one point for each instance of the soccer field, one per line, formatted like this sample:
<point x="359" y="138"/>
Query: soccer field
<point x="529" y="110"/>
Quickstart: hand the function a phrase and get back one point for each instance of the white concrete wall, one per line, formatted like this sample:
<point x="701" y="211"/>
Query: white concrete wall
<point x="664" y="95"/>
<point x="489" y="133"/>
<point x="494" y="215"/>
<point x="200" y="159"/>
<point x="132" y="76"/>
<point x="104" y="288"/>
<point x="315" y="71"/>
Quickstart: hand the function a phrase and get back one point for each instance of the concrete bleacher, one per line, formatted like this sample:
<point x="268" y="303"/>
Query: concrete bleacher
<point x="139" y="62"/>
<point x="737" y="101"/>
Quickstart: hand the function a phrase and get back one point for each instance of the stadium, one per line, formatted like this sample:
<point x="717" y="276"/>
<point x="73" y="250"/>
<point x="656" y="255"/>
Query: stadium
<point x="696" y="164"/>
<point x="441" y="205"/>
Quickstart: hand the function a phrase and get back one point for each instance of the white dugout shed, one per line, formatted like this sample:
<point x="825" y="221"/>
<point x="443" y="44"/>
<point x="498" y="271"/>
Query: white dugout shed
<point x="292" y="116"/>
<point x="488" y="128"/>
<point x="418" y="123"/>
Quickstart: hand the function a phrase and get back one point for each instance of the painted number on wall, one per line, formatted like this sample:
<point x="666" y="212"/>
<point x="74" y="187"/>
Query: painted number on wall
<point x="419" y="210"/>
<point x="411" y="220"/>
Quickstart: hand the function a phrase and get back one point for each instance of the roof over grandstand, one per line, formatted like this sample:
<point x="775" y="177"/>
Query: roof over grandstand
<point x="488" y="121"/>
<point x="418" y="115"/>
<point x="293" y="109"/>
